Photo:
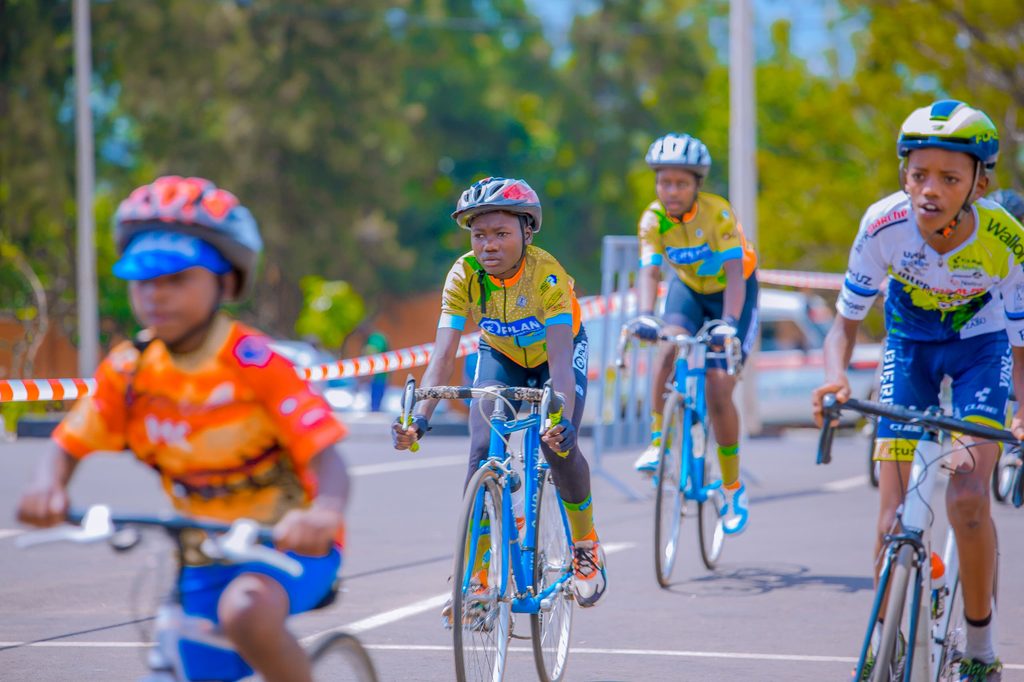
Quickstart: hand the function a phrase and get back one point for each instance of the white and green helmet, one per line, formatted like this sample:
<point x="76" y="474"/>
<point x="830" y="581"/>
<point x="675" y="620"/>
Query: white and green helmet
<point x="953" y="125"/>
<point x="679" y="151"/>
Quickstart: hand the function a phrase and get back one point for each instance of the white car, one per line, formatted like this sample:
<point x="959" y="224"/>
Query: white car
<point x="789" y="364"/>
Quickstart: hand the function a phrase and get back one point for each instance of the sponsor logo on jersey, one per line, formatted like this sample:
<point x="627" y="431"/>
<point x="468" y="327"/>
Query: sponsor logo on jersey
<point x="521" y="302"/>
<point x="167" y="432"/>
<point x="253" y="351"/>
<point x="551" y="279"/>
<point x="686" y="256"/>
<point x="523" y="327"/>
<point x="579" y="357"/>
<point x="1008" y="236"/>
<point x="888" y="219"/>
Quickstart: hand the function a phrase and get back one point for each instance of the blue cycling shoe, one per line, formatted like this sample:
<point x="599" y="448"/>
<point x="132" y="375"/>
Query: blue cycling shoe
<point x="735" y="512"/>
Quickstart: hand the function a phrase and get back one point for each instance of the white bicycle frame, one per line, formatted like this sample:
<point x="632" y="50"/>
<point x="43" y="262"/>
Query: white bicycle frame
<point x="173" y="625"/>
<point x="915" y="516"/>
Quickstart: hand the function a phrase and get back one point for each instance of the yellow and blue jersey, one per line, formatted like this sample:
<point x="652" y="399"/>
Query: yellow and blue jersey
<point x="514" y="313"/>
<point x="698" y="245"/>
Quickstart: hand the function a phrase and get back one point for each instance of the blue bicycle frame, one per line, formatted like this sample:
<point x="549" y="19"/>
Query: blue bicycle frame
<point x="519" y="549"/>
<point x="689" y="382"/>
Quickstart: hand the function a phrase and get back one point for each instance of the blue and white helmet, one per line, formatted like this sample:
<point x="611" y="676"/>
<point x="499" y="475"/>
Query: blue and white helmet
<point x="679" y="151"/>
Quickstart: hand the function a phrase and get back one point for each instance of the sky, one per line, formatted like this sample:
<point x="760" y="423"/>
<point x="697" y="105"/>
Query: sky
<point x="809" y="21"/>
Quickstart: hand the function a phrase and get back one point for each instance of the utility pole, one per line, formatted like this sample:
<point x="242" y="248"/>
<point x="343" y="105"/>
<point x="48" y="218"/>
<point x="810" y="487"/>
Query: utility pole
<point x="743" y="159"/>
<point x="88" y="309"/>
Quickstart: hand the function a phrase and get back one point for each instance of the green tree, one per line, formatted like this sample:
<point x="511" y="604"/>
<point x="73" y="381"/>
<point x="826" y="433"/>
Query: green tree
<point x="330" y="311"/>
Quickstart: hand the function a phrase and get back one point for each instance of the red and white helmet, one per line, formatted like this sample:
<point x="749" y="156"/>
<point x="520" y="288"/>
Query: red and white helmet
<point x="498" y="194"/>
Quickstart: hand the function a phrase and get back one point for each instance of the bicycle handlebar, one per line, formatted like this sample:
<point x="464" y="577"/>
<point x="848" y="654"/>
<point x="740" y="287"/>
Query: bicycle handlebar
<point x="240" y="542"/>
<point x="831" y="408"/>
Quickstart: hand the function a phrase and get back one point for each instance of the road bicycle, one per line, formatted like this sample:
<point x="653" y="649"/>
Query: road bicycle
<point x="685" y="472"/>
<point x="336" y="656"/>
<point x="925" y="599"/>
<point x="525" y="557"/>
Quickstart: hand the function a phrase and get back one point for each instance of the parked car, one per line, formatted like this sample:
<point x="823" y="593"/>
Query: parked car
<point x="789" y="365"/>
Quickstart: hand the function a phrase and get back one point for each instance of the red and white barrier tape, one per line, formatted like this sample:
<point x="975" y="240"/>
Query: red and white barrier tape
<point x="26" y="390"/>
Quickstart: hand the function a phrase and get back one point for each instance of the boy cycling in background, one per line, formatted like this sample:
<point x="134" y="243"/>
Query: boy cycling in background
<point x="715" y="278"/>
<point x="952" y="264"/>
<point x="227" y="424"/>
<point x="530" y="330"/>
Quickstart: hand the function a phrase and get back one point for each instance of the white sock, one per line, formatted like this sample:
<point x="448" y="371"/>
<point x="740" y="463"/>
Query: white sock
<point x="979" y="642"/>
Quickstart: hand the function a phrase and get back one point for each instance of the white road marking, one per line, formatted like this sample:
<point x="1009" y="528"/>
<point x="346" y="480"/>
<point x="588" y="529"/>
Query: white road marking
<point x="845" y="484"/>
<point x="10" y="532"/>
<point x="388" y="617"/>
<point x="407" y="465"/>
<point x="573" y="651"/>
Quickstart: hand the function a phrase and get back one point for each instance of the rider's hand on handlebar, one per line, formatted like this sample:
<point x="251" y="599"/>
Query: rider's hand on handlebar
<point x="44" y="504"/>
<point x="1017" y="425"/>
<point x="645" y="327"/>
<point x="560" y="437"/>
<point x="402" y="437"/>
<point x="308" y="531"/>
<point x="838" y="385"/>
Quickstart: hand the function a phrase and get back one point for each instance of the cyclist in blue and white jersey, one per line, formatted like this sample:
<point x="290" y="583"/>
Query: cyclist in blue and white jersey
<point x="951" y="263"/>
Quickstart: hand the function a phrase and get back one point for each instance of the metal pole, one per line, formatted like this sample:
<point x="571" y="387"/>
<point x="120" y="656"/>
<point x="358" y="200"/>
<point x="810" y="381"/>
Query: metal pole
<point x="743" y="160"/>
<point x="88" y="310"/>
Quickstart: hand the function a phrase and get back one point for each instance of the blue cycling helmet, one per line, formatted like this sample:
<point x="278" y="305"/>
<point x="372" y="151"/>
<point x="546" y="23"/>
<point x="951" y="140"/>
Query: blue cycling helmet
<point x="953" y="125"/>
<point x="198" y="208"/>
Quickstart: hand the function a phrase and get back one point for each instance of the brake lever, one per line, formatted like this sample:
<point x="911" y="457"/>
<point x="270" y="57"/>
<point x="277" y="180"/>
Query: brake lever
<point x="96" y="526"/>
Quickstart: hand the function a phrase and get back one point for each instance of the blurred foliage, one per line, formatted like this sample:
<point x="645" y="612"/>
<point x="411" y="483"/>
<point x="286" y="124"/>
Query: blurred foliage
<point x="350" y="128"/>
<point x="330" y="311"/>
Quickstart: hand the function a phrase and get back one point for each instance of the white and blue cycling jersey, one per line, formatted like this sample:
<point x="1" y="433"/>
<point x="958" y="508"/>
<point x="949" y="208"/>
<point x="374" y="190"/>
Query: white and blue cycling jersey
<point x="975" y="289"/>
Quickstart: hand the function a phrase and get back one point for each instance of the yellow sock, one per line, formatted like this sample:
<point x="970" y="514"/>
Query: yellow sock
<point x="729" y="461"/>
<point x="581" y="518"/>
<point x="482" y="556"/>
<point x="655" y="428"/>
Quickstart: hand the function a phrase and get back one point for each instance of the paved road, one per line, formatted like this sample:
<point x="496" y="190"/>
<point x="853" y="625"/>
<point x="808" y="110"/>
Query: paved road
<point x="789" y="600"/>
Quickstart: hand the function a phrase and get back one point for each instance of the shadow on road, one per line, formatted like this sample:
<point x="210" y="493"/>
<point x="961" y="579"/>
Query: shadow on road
<point x="750" y="580"/>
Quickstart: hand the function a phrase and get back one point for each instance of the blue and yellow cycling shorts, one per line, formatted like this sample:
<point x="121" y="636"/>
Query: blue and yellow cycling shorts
<point x="912" y="372"/>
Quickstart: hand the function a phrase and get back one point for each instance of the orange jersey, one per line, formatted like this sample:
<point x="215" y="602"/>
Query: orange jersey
<point x="229" y="427"/>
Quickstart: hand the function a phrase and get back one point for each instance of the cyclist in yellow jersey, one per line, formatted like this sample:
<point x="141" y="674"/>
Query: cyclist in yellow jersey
<point x="701" y="240"/>
<point x="526" y="307"/>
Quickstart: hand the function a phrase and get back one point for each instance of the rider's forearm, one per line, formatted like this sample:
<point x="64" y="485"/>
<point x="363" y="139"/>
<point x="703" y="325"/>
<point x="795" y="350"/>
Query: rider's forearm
<point x="735" y="290"/>
<point x="333" y="481"/>
<point x="838" y="350"/>
<point x="55" y="468"/>
<point x="647" y="283"/>
<point x="563" y="381"/>
<point x="440" y="368"/>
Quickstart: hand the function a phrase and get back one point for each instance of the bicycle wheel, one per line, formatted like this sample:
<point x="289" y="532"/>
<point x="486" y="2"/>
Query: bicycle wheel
<point x="340" y="656"/>
<point x="481" y="612"/>
<point x="889" y="660"/>
<point x="710" y="531"/>
<point x="551" y="628"/>
<point x="668" y="511"/>
<point x="955" y="638"/>
<point x="1002" y="478"/>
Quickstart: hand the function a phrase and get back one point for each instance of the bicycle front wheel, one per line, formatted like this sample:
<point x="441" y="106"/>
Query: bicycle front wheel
<point x="668" y="510"/>
<point x="709" y="512"/>
<point x="890" y="658"/>
<point x="340" y="657"/>
<point x="481" y="611"/>
<point x="551" y="628"/>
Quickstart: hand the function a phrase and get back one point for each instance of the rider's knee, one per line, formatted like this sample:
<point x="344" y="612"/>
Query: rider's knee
<point x="252" y="608"/>
<point x="967" y="501"/>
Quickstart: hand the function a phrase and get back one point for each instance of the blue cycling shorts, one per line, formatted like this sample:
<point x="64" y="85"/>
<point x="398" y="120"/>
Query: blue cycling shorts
<point x="912" y="372"/>
<point x="688" y="309"/>
<point x="202" y="586"/>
